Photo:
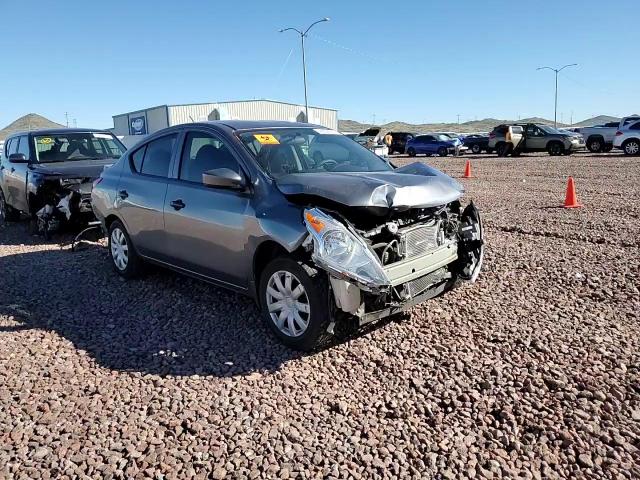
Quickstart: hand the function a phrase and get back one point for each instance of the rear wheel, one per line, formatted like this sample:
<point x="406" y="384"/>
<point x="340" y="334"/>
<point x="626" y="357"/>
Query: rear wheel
<point x="411" y="152"/>
<point x="7" y="212"/>
<point x="475" y="148"/>
<point x="442" y="151"/>
<point x="555" y="148"/>
<point x="502" y="149"/>
<point x="293" y="300"/>
<point x="631" y="147"/>
<point x="124" y="258"/>
<point x="595" y="145"/>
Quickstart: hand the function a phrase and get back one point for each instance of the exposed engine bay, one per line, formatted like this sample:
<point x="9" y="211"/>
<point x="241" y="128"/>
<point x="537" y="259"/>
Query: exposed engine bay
<point x="405" y="257"/>
<point x="59" y="201"/>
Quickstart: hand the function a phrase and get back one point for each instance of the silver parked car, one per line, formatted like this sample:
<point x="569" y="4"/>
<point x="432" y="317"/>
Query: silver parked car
<point x="316" y="241"/>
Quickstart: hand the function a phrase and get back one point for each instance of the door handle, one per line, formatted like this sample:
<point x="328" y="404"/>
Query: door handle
<point x="123" y="194"/>
<point x="178" y="204"/>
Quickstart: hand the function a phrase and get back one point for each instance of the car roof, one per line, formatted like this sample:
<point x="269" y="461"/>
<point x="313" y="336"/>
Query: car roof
<point x="259" y="124"/>
<point x="57" y="131"/>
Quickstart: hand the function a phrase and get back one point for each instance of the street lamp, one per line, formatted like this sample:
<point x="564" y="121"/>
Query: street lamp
<point x="304" y="65"/>
<point x="557" y="70"/>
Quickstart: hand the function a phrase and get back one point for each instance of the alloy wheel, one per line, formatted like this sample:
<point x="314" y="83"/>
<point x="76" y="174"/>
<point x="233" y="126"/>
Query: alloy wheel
<point x="632" y="148"/>
<point x="119" y="249"/>
<point x="288" y="303"/>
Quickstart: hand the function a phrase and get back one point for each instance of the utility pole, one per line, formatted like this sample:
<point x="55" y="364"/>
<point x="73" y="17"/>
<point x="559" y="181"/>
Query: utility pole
<point x="66" y="116"/>
<point x="373" y="122"/>
<point x="304" y="63"/>
<point x="458" y="119"/>
<point x="75" y="123"/>
<point x="557" y="71"/>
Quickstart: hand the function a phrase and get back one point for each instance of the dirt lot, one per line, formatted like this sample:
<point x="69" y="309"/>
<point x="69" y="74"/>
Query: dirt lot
<point x="532" y="372"/>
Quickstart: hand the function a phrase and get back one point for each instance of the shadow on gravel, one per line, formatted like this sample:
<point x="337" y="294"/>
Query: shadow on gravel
<point x="163" y="324"/>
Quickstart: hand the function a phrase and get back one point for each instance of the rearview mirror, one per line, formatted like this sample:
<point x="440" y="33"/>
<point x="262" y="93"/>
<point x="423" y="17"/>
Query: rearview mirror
<point x="223" y="178"/>
<point x="18" y="158"/>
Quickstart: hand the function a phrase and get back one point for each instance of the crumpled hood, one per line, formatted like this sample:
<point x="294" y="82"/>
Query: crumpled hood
<point x="413" y="186"/>
<point x="76" y="168"/>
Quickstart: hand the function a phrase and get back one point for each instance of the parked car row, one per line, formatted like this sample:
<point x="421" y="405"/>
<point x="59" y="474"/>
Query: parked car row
<point x="320" y="231"/>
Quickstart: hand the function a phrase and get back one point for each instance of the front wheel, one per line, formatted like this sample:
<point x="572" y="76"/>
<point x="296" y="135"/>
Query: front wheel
<point x="411" y="152"/>
<point x="475" y="148"/>
<point x="555" y="148"/>
<point x="293" y="300"/>
<point x="631" y="147"/>
<point x="7" y="212"/>
<point x="124" y="258"/>
<point x="442" y="151"/>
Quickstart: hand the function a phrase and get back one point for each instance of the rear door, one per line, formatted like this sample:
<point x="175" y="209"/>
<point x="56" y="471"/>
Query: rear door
<point x="208" y="227"/>
<point x="141" y="195"/>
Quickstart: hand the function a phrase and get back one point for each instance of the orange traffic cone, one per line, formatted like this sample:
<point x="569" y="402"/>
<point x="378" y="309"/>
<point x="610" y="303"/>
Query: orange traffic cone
<point x="467" y="169"/>
<point x="571" y="199"/>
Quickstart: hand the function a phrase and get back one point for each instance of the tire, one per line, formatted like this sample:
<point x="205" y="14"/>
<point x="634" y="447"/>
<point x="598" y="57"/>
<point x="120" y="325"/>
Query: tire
<point x="7" y="212"/>
<point x="631" y="147"/>
<point x="443" y="152"/>
<point x="299" y="329"/>
<point x="502" y="149"/>
<point x="475" y="148"/>
<point x="595" y="144"/>
<point x="411" y="152"/>
<point x="555" y="148"/>
<point x="124" y="259"/>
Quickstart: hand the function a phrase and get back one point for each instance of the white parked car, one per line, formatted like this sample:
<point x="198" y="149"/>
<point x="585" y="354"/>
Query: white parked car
<point x="628" y="139"/>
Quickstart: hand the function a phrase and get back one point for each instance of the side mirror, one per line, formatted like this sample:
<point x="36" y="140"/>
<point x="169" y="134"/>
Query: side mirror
<point x="223" y="178"/>
<point x="18" y="158"/>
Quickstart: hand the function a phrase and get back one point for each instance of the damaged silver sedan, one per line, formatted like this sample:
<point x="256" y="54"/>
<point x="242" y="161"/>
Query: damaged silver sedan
<point x="318" y="242"/>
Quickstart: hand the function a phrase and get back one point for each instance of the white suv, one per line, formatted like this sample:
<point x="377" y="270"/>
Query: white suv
<point x="628" y="139"/>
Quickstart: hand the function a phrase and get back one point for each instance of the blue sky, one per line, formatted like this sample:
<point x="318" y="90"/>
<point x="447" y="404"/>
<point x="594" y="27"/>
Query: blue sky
<point x="415" y="61"/>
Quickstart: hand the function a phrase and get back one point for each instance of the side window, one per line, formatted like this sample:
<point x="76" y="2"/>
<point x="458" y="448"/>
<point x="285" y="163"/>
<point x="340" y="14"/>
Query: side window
<point x="137" y="157"/>
<point x="203" y="152"/>
<point x="635" y="126"/>
<point x="23" y="146"/>
<point x="157" y="156"/>
<point x="9" y="147"/>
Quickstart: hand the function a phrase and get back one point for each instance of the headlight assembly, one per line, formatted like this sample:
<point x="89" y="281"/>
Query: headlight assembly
<point x="343" y="253"/>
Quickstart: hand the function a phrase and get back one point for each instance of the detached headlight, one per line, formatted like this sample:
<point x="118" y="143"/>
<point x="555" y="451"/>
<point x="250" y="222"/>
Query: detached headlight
<point x="341" y="252"/>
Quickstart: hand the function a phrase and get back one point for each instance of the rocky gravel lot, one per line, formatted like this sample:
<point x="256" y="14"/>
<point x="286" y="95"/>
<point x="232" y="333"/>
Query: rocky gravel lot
<point x="533" y="372"/>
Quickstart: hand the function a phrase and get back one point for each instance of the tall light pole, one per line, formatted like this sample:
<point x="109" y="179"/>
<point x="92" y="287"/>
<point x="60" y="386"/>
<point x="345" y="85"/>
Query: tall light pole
<point x="557" y="70"/>
<point x="304" y="64"/>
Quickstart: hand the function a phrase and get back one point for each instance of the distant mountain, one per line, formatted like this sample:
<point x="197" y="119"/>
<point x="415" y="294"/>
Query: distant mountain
<point x="484" y="125"/>
<point x="599" y="120"/>
<point x="32" y="121"/>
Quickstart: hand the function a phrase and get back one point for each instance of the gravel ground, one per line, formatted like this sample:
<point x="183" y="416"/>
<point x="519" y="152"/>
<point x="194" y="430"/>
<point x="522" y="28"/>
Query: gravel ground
<point x="533" y="372"/>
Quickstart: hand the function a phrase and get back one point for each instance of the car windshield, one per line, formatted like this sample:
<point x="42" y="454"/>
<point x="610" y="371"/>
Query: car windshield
<point x="281" y="151"/>
<point x="67" y="147"/>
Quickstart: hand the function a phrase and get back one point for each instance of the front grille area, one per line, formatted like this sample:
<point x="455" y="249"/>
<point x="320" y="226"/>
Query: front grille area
<point x="417" y="241"/>
<point x="419" y="285"/>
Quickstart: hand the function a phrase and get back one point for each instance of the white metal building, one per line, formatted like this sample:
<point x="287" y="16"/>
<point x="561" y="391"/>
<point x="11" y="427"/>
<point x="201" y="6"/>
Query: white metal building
<point x="150" y="120"/>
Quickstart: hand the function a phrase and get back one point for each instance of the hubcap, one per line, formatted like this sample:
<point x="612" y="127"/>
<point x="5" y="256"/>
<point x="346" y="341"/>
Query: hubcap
<point x="632" y="148"/>
<point x="288" y="303"/>
<point x="595" y="145"/>
<point x="475" y="149"/>
<point x="119" y="249"/>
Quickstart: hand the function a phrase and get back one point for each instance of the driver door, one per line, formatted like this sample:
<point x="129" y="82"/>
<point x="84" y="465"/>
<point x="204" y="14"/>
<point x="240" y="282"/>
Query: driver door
<point x="207" y="227"/>
<point x="535" y="138"/>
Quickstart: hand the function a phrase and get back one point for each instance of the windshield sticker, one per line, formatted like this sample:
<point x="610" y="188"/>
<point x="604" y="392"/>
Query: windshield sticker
<point x="45" y="140"/>
<point x="326" y="131"/>
<point x="102" y="135"/>
<point x="266" y="139"/>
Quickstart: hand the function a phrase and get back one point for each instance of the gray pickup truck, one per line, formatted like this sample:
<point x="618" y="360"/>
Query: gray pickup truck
<point x="599" y="138"/>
